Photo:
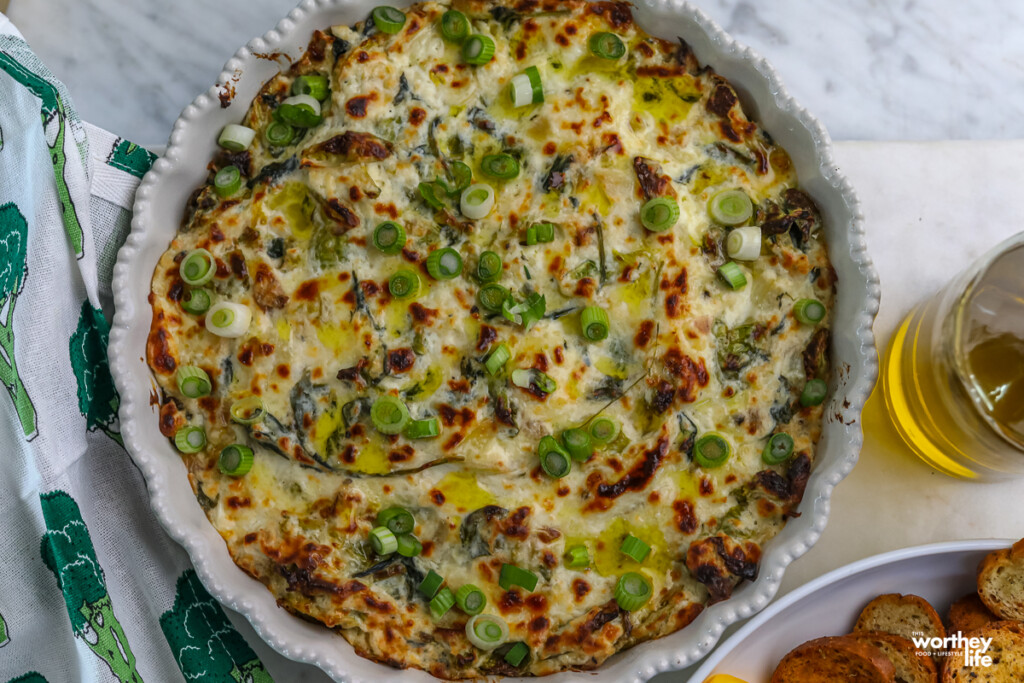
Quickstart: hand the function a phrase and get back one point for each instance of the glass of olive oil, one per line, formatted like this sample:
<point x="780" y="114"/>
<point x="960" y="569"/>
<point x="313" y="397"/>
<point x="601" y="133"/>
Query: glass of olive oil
<point x="953" y="376"/>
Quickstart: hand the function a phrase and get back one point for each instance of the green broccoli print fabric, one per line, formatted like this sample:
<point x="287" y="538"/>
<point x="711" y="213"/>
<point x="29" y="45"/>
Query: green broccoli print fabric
<point x="92" y="589"/>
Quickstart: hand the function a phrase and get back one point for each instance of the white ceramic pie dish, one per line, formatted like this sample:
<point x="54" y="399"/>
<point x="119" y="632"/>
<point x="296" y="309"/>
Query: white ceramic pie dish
<point x="158" y="209"/>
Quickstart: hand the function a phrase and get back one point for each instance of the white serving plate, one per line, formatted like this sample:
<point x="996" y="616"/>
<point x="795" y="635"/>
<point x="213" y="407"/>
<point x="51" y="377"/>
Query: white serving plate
<point x="828" y="606"/>
<point x="158" y="209"/>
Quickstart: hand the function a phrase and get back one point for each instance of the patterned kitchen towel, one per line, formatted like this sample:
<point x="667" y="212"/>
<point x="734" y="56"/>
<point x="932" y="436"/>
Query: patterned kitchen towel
<point x="92" y="589"/>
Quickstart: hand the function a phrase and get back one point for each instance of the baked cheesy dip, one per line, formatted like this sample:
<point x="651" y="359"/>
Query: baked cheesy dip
<point x="497" y="340"/>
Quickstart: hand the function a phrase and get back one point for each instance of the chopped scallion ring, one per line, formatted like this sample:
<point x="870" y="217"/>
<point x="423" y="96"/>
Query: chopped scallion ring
<point x="389" y="415"/>
<point x="461" y="175"/>
<point x="497" y="358"/>
<point x="540" y="232"/>
<point x="778" y="449"/>
<point x="814" y="393"/>
<point x="809" y="311"/>
<point x="444" y="264"/>
<point x="634" y="548"/>
<point x="470" y="599"/>
<point x="606" y="45"/>
<point x="190" y="439"/>
<point x="711" y="450"/>
<point x="577" y="557"/>
<point x="197" y="268"/>
<point x="431" y="584"/>
<point x="454" y="26"/>
<point x="196" y="302"/>
<point x="388" y="19"/>
<point x="227" y="319"/>
<point x="527" y="312"/>
<point x="301" y="111"/>
<point x="235" y="137"/>
<point x="227" y="181"/>
<point x="404" y="284"/>
<point x="526" y="88"/>
<point x="554" y="459"/>
<point x="383" y="540"/>
<point x="744" y="244"/>
<point x="409" y="545"/>
<point x="397" y="519"/>
<point x="531" y="378"/>
<point x="503" y="166"/>
<point x="594" y="323"/>
<point x="732" y="275"/>
<point x="730" y="207"/>
<point x="279" y="134"/>
<point x="603" y="430"/>
<point x="477" y="201"/>
<point x="314" y="85"/>
<point x="422" y="429"/>
<point x="193" y="381"/>
<point x="442" y="602"/>
<point x="431" y="194"/>
<point x="235" y="460"/>
<point x="633" y="591"/>
<point x="491" y="297"/>
<point x="478" y="49"/>
<point x="512" y="575"/>
<point x="389" y="237"/>
<point x="248" y="410"/>
<point x="517" y="653"/>
<point x="486" y="631"/>
<point x="577" y="443"/>
<point x="659" y="214"/>
<point x="488" y="267"/>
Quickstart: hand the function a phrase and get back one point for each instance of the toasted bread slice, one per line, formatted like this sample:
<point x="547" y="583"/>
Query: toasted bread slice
<point x="968" y="614"/>
<point x="839" y="658"/>
<point x="1001" y="582"/>
<point x="901" y="615"/>
<point x="909" y="665"/>
<point x="1006" y="651"/>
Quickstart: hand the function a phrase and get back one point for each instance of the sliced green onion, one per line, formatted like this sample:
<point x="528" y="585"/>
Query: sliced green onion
<point x="732" y="275"/>
<point x="431" y="194"/>
<point x="227" y="181"/>
<point x="388" y="19"/>
<point x="454" y="26"/>
<point x="809" y="311"/>
<point x="634" y="548"/>
<point x="197" y="268"/>
<point x="409" y="545"/>
<point x="503" y="166"/>
<point x="431" y="584"/>
<point x="603" y="430"/>
<point x="577" y="557"/>
<point x="397" y="519"/>
<point x="193" y="381"/>
<point x="633" y="591"/>
<point x="462" y="176"/>
<point x="389" y="415"/>
<point x="444" y="264"/>
<point x="659" y="214"/>
<point x="577" y="443"/>
<point x="814" y="393"/>
<point x="279" y="134"/>
<point x="526" y="378"/>
<point x="497" y="358"/>
<point x="730" y="207"/>
<point x="235" y="460"/>
<point x="470" y="599"/>
<point x="512" y="575"/>
<point x="488" y="267"/>
<point x="314" y="85"/>
<point x="383" y="540"/>
<point x="301" y="111"/>
<point x="711" y="450"/>
<point x="248" y="410"/>
<point x="190" y="439"/>
<point x="526" y="312"/>
<point x="491" y="297"/>
<point x="744" y="244"/>
<point x="606" y="45"/>
<point x="196" y="302"/>
<point x="422" y="429"/>
<point x="389" y="237"/>
<point x="404" y="284"/>
<point x="540" y="232"/>
<point x="442" y="602"/>
<point x="227" y="319"/>
<point x="477" y="201"/>
<point x="235" y="137"/>
<point x="554" y="460"/>
<point x="594" y="323"/>
<point x="478" y="49"/>
<point x="517" y="653"/>
<point x="778" y="449"/>
<point x="526" y="88"/>
<point x="486" y="631"/>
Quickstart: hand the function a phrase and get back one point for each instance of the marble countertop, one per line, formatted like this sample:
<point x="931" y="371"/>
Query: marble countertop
<point x="869" y="69"/>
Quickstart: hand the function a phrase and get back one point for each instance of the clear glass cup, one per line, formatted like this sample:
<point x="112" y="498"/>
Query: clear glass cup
<point x="953" y="376"/>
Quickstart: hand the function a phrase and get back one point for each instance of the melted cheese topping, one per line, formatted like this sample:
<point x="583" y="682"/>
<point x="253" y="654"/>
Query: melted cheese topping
<point x="685" y="355"/>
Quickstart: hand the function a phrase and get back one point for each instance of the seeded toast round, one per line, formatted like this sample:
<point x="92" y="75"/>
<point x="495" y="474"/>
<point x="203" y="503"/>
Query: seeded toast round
<point x="910" y="667"/>
<point x="969" y="613"/>
<point x="1001" y="582"/>
<point x="1006" y="651"/>
<point x="836" y="658"/>
<point x="902" y="615"/>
